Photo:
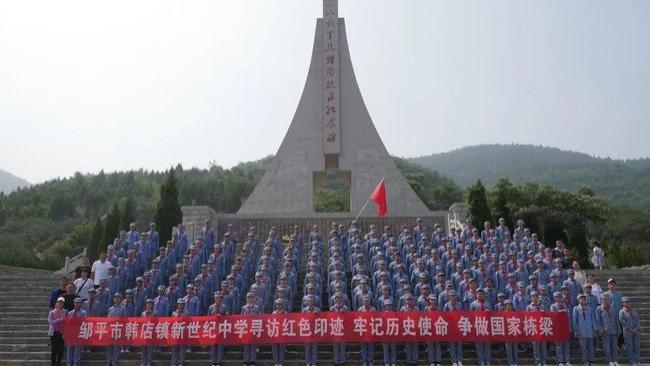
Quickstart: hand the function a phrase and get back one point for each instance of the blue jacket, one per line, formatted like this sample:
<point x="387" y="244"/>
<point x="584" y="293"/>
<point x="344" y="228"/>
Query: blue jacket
<point x="584" y="321"/>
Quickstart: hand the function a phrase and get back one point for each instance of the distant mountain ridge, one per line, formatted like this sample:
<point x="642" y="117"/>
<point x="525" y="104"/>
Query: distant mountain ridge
<point x="9" y="182"/>
<point x="617" y="181"/>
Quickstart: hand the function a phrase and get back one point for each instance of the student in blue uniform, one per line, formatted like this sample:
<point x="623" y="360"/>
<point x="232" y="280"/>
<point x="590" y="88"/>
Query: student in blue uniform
<point x="482" y="348"/>
<point x="367" y="348"/>
<point x="311" y="349"/>
<point x="562" y="350"/>
<point x="411" y="348"/>
<point x="117" y="310"/>
<point x="73" y="353"/>
<point x="609" y="327"/>
<point x="92" y="307"/>
<point x="389" y="348"/>
<point x="584" y="326"/>
<point x="250" y="349"/>
<point x="433" y="348"/>
<point x="455" y="348"/>
<point x="178" y="351"/>
<point x="539" y="348"/>
<point x="339" y="347"/>
<point x="631" y="325"/>
<point x="217" y="308"/>
<point x="146" y="352"/>
<point x="511" y="347"/>
<point x="279" y="350"/>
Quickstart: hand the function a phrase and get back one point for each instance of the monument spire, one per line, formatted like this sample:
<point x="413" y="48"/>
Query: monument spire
<point x="331" y="107"/>
<point x="332" y="144"/>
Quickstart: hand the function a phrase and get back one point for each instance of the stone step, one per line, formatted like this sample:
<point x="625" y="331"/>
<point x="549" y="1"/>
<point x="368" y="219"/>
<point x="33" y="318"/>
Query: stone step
<point x="525" y="357"/>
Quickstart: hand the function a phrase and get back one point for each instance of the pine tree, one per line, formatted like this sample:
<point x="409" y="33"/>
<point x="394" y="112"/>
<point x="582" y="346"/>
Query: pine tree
<point x="500" y="197"/>
<point x="479" y="210"/>
<point x="168" y="210"/>
<point x="127" y="213"/>
<point x="96" y="245"/>
<point x="112" y="228"/>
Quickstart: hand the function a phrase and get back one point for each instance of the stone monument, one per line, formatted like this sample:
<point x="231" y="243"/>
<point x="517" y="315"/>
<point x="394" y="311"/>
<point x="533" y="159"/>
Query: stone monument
<point x="331" y="137"/>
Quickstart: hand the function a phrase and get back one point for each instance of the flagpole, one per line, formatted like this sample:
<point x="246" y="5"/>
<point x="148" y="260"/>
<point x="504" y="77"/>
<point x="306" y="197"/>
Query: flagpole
<point x="362" y="209"/>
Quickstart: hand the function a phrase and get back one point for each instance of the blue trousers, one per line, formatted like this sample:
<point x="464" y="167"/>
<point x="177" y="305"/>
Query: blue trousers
<point x="216" y="353"/>
<point x="511" y="354"/>
<point x="456" y="351"/>
<point x="146" y="355"/>
<point x="540" y="353"/>
<point x="633" y="344"/>
<point x="434" y="352"/>
<point x="390" y="353"/>
<point x="73" y="354"/>
<point x="562" y="351"/>
<point x="610" y="347"/>
<point x="412" y="352"/>
<point x="178" y="355"/>
<point x="367" y="353"/>
<point x="250" y="352"/>
<point x="112" y="355"/>
<point x="483" y="353"/>
<point x="339" y="353"/>
<point x="587" y="349"/>
<point x="311" y="352"/>
<point x="278" y="351"/>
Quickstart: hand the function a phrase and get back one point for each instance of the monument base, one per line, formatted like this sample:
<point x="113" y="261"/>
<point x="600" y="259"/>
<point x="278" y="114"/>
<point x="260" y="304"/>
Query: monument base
<point x="194" y="219"/>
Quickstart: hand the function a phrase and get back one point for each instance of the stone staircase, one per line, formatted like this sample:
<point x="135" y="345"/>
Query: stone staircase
<point x="24" y="341"/>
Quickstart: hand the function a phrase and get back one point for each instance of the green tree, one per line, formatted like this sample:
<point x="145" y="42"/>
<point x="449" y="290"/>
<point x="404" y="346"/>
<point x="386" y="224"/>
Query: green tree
<point x="499" y="198"/>
<point x="479" y="210"/>
<point x="168" y="210"/>
<point x="96" y="245"/>
<point x="112" y="227"/>
<point x="62" y="206"/>
<point x="127" y="213"/>
<point x="3" y="214"/>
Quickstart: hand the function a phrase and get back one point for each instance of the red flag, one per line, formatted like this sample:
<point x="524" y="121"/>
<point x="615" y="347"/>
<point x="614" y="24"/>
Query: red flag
<point x="378" y="196"/>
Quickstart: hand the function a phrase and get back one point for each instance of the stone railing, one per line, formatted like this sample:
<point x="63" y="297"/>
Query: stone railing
<point x="71" y="263"/>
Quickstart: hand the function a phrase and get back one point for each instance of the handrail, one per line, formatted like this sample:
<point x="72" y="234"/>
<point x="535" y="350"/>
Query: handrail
<point x="71" y="263"/>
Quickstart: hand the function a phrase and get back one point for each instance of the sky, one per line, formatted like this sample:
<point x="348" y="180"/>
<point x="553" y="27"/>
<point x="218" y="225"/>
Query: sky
<point x="120" y="85"/>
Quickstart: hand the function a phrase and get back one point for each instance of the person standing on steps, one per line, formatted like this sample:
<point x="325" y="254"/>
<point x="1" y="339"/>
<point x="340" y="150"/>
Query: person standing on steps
<point x="584" y="325"/>
<point x="339" y="347"/>
<point x="562" y="350"/>
<point x="311" y="349"/>
<point x="389" y="348"/>
<point x="631" y="325"/>
<point x="250" y="349"/>
<point x="539" y="348"/>
<point x="58" y="291"/>
<point x="367" y="348"/>
<point x="117" y="310"/>
<point x="609" y="327"/>
<point x="278" y="350"/>
<point x="178" y="351"/>
<point x="511" y="347"/>
<point x="55" y="319"/>
<point x="455" y="348"/>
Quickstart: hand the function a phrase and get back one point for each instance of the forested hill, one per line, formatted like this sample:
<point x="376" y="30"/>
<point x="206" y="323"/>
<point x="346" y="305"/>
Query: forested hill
<point x="61" y="216"/>
<point x="9" y="182"/>
<point x="619" y="182"/>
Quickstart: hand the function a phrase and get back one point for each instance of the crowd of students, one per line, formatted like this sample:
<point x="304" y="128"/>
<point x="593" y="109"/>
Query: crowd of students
<point x="415" y="269"/>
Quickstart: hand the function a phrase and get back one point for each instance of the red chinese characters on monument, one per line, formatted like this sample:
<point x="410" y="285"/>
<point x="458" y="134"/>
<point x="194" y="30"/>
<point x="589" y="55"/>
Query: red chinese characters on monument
<point x="321" y="327"/>
<point x="331" y="125"/>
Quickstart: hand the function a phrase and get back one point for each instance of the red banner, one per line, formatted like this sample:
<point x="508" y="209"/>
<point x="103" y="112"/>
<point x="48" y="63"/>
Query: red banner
<point x="321" y="327"/>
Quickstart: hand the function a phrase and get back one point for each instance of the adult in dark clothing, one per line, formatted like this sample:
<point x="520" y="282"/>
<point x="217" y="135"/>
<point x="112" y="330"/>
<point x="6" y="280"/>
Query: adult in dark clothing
<point x="58" y="291"/>
<point x="69" y="296"/>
